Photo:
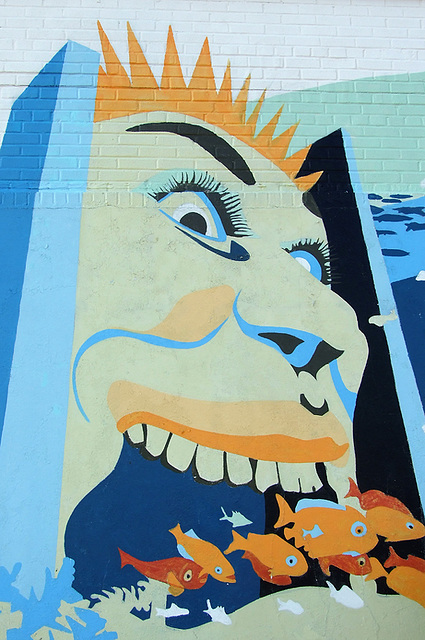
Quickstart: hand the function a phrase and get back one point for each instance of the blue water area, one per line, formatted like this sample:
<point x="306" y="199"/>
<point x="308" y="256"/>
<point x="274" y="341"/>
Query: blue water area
<point x="409" y="295"/>
<point x="135" y="507"/>
<point x="401" y="233"/>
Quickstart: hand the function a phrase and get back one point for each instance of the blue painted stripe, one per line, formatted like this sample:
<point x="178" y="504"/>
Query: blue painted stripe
<point x="407" y="391"/>
<point x="107" y="334"/>
<point x="31" y="455"/>
<point x="22" y="157"/>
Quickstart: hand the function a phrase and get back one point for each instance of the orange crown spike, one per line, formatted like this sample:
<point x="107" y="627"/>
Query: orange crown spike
<point x="113" y="65"/>
<point x="203" y="74"/>
<point x="141" y="74"/>
<point x="172" y="75"/>
<point x="119" y="96"/>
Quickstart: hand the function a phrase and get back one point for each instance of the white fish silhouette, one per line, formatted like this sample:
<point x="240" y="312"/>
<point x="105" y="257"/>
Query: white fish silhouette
<point x="346" y="596"/>
<point x="290" y="605"/>
<point x="237" y="519"/>
<point x="217" y="614"/>
<point x="172" y="612"/>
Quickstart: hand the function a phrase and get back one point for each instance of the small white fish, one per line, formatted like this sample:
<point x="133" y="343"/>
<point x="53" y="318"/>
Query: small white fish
<point x="346" y="596"/>
<point x="217" y="614"/>
<point x="421" y="276"/>
<point x="237" y="519"/>
<point x="315" y="532"/>
<point x="173" y="612"/>
<point x="382" y="319"/>
<point x="290" y="605"/>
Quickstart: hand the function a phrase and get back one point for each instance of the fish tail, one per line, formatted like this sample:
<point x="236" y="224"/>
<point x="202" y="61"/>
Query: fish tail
<point x="177" y="531"/>
<point x="237" y="544"/>
<point x="125" y="558"/>
<point x="285" y="512"/>
<point x="354" y="491"/>
<point x="225" y="516"/>
<point x="393" y="559"/>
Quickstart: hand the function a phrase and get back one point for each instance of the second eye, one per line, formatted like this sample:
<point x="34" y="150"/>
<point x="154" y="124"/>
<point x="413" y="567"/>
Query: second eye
<point x="193" y="210"/>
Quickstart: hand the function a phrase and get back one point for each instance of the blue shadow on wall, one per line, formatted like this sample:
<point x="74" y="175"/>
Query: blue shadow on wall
<point x="43" y="173"/>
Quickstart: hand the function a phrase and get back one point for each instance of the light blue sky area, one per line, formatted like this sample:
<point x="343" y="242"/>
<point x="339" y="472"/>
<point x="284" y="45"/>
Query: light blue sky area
<point x="384" y="116"/>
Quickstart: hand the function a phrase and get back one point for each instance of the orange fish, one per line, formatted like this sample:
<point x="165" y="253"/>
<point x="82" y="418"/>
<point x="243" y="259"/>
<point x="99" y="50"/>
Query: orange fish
<point x="325" y="528"/>
<point x="272" y="559"/>
<point x="387" y="516"/>
<point x="358" y="565"/>
<point x="179" y="573"/>
<point x="205" y="554"/>
<point x="405" y="580"/>
<point x="394" y="560"/>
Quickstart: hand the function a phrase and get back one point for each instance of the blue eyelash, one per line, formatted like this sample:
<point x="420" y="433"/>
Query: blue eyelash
<point x="316" y="253"/>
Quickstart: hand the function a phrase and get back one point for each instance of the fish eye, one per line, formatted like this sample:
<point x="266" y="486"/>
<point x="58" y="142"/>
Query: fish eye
<point x="409" y="525"/>
<point x="188" y="575"/>
<point x="361" y="562"/>
<point x="358" y="529"/>
<point x="218" y="570"/>
<point x="291" y="561"/>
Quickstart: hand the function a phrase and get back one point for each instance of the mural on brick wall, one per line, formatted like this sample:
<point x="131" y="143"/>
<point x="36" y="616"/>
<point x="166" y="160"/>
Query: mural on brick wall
<point x="226" y="420"/>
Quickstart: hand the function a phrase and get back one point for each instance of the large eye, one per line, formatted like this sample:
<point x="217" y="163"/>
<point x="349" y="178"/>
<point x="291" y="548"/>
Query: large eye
<point x="313" y="255"/>
<point x="194" y="210"/>
<point x="188" y="575"/>
<point x="410" y="525"/>
<point x="291" y="561"/>
<point x="218" y="570"/>
<point x="358" y="529"/>
<point x="361" y="562"/>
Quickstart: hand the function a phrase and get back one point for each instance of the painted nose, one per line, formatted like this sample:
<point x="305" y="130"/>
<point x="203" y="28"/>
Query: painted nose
<point x="303" y="350"/>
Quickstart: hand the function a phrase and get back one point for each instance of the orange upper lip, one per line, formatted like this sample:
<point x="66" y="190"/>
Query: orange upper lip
<point x="288" y="432"/>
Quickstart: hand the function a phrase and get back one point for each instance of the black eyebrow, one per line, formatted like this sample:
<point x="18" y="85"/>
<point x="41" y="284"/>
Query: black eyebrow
<point x="211" y="142"/>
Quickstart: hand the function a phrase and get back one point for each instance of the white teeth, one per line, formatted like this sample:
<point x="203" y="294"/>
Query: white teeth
<point x="136" y="434"/>
<point x="156" y="440"/>
<point x="239" y="470"/>
<point x="299" y="477"/>
<point x="180" y="453"/>
<point x="213" y="465"/>
<point x="288" y="476"/>
<point x="209" y="464"/>
<point x="308" y="478"/>
<point x="266" y="475"/>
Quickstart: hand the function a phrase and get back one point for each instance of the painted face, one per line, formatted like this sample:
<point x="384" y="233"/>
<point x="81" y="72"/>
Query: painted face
<point x="204" y="312"/>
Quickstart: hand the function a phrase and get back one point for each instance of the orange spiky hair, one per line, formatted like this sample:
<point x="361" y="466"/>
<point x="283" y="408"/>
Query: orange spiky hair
<point x="119" y="96"/>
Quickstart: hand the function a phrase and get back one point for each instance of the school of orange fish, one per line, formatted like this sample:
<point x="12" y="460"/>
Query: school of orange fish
<point x="333" y="534"/>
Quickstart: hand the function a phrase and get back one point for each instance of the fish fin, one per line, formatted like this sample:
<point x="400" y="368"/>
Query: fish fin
<point x="175" y="587"/>
<point x="236" y="544"/>
<point x="324" y="565"/>
<point x="285" y="512"/>
<point x="191" y="534"/>
<point x="353" y="491"/>
<point x="182" y="551"/>
<point x="175" y="591"/>
<point x="392" y="560"/>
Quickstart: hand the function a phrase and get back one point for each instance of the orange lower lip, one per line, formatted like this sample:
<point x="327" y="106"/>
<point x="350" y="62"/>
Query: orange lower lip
<point x="276" y="431"/>
<point x="273" y="447"/>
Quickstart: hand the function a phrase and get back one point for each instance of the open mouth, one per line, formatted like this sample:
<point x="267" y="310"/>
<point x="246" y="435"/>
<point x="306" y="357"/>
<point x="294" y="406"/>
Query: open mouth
<point x="256" y="443"/>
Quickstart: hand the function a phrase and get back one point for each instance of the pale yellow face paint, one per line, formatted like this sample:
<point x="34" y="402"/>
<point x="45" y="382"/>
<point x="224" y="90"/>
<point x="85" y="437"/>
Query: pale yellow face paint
<point x="138" y="272"/>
